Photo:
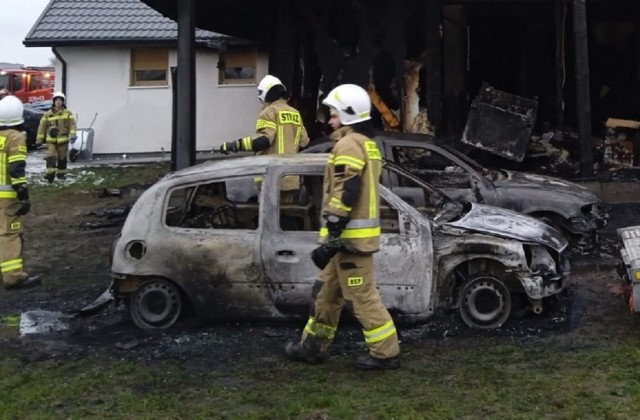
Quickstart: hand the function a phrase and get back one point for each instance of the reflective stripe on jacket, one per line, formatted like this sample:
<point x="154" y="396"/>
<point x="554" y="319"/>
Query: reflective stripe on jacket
<point x="355" y="155"/>
<point x="13" y="158"/>
<point x="61" y="119"/>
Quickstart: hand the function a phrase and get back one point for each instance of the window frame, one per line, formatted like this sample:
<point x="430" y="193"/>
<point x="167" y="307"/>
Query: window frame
<point x="238" y="58"/>
<point x="148" y="59"/>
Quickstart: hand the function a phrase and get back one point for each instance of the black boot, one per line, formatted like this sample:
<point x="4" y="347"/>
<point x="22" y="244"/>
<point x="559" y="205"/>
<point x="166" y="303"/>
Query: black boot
<point x="50" y="177"/>
<point x="27" y="283"/>
<point x="61" y="176"/>
<point x="295" y="350"/>
<point x="369" y="362"/>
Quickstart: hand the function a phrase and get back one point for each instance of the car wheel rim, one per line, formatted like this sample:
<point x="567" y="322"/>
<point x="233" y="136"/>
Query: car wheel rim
<point x="156" y="304"/>
<point x="485" y="302"/>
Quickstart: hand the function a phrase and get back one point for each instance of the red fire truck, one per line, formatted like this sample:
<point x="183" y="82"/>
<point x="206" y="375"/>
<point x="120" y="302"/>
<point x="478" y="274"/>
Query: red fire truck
<point x="32" y="85"/>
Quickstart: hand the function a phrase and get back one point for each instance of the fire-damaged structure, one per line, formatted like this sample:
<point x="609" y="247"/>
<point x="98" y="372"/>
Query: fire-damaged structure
<point x="206" y="238"/>
<point x="564" y="53"/>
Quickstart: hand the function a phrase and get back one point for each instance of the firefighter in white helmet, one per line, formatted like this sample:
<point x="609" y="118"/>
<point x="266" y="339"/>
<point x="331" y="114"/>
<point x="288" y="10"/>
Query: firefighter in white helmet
<point x="57" y="128"/>
<point x="279" y="131"/>
<point x="14" y="195"/>
<point x="350" y="236"/>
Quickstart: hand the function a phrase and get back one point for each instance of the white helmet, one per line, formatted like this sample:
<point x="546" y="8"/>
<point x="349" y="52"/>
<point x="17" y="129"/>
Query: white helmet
<point x="11" y="110"/>
<point x="60" y="95"/>
<point x="352" y="103"/>
<point x="267" y="83"/>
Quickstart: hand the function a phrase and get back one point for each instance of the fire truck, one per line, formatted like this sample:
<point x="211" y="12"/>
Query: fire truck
<point x="33" y="85"/>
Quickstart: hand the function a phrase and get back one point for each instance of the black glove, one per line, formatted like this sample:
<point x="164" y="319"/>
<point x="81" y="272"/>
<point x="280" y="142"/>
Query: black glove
<point x="23" y="196"/>
<point x="229" y="146"/>
<point x="336" y="224"/>
<point x="323" y="254"/>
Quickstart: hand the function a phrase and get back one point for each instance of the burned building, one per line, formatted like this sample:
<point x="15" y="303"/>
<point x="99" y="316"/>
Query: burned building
<point x="425" y="61"/>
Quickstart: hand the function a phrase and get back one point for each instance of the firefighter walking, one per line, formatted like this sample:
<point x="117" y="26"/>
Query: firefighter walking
<point x="14" y="195"/>
<point x="57" y="128"/>
<point x="280" y="131"/>
<point x="350" y="236"/>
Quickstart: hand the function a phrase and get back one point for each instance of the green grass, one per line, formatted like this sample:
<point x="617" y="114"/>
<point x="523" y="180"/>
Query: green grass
<point x="495" y="379"/>
<point x="99" y="177"/>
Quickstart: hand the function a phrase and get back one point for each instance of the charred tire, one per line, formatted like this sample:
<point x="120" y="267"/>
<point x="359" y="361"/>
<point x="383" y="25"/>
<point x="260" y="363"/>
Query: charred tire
<point x="155" y="305"/>
<point x="484" y="302"/>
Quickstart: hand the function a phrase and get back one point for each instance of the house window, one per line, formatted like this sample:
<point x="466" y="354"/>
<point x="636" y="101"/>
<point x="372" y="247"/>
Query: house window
<point x="238" y="67"/>
<point x="149" y="67"/>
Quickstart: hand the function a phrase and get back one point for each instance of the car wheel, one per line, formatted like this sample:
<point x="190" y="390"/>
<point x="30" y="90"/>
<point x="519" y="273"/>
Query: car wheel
<point x="155" y="305"/>
<point x="484" y="302"/>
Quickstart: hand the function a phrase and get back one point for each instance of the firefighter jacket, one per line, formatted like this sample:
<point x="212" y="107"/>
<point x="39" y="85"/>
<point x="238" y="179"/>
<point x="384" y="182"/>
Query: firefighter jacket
<point x="13" y="162"/>
<point x="56" y="126"/>
<point x="352" y="189"/>
<point x="282" y="125"/>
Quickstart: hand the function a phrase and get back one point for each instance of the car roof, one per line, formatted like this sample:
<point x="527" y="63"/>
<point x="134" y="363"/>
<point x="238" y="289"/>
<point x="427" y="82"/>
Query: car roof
<point x="241" y="165"/>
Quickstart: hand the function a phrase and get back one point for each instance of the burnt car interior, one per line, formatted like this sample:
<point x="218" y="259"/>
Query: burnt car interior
<point x="215" y="205"/>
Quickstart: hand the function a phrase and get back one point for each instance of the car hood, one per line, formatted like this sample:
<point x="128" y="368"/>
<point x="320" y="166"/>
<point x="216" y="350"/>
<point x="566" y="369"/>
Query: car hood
<point x="509" y="224"/>
<point x="526" y="182"/>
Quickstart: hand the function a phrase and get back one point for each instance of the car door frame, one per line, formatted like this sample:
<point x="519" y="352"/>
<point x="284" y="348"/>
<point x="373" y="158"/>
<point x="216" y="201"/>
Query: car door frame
<point x="482" y="189"/>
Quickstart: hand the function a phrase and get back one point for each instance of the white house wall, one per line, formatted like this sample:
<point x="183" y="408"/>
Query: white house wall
<point x="138" y="119"/>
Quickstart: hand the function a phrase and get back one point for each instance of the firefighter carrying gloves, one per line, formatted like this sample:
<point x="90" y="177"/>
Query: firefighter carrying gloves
<point x="14" y="195"/>
<point x="57" y="128"/>
<point x="350" y="236"/>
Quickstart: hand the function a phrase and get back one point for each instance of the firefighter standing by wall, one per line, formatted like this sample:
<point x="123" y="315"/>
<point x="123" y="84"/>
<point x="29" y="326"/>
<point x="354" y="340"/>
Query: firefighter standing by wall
<point x="57" y="128"/>
<point x="280" y="131"/>
<point x="351" y="210"/>
<point x="14" y="195"/>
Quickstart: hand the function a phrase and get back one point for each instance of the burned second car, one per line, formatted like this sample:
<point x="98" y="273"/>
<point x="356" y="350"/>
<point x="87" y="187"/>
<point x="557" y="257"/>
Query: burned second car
<point x="205" y="237"/>
<point x="571" y="208"/>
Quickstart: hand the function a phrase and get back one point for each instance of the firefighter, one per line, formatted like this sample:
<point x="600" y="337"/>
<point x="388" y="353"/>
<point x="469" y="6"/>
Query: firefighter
<point x="280" y="131"/>
<point x="14" y="195"/>
<point x="350" y="236"/>
<point x="57" y="128"/>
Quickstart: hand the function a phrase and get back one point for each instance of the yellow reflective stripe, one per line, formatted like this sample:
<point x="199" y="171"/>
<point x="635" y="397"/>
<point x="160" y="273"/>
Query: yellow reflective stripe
<point x="297" y="141"/>
<point x="373" y="192"/>
<point x="356" y="233"/>
<point x="281" y="150"/>
<point x="23" y="149"/>
<point x="380" y="333"/>
<point x="11" y="265"/>
<point x="331" y="159"/>
<point x="63" y="116"/>
<point x="16" y="181"/>
<point x="15" y="226"/>
<point x="351" y="161"/>
<point x="2" y="140"/>
<point x="338" y="204"/>
<point x="260" y="124"/>
<point x="319" y="329"/>
<point x="16" y="158"/>
<point x="3" y="169"/>
<point x="372" y="150"/>
<point x="40" y="137"/>
<point x="8" y="194"/>
<point x="247" y="143"/>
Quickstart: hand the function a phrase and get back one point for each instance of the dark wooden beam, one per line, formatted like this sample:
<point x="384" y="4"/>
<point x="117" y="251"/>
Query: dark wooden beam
<point x="186" y="92"/>
<point x="285" y="46"/>
<point x="560" y="12"/>
<point x="583" y="93"/>
<point x="433" y="63"/>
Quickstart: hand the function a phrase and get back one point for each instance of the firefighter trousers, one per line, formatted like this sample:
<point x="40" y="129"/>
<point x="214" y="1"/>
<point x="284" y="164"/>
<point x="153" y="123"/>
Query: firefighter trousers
<point x="350" y="277"/>
<point x="11" y="269"/>
<point x="56" y="159"/>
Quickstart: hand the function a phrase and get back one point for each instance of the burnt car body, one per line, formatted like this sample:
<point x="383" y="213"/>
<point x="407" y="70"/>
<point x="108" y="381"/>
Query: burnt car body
<point x="569" y="207"/>
<point x="198" y="238"/>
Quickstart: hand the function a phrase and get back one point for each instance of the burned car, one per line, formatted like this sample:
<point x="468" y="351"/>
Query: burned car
<point x="207" y="239"/>
<point x="569" y="207"/>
